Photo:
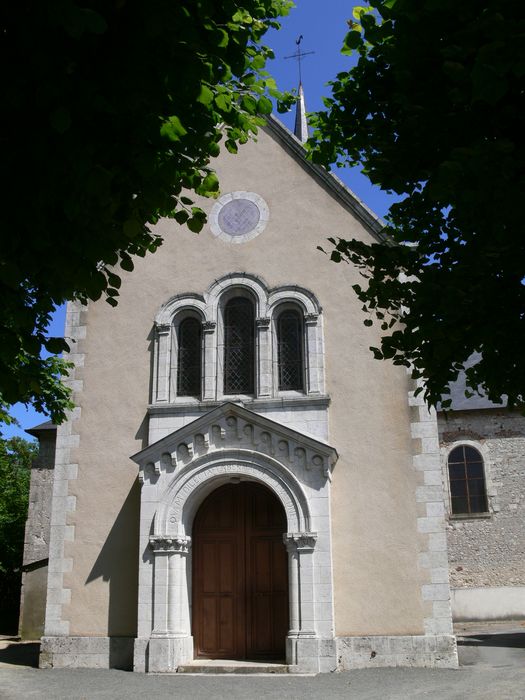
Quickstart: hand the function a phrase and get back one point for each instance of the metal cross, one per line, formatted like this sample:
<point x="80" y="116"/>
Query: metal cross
<point x="299" y="55"/>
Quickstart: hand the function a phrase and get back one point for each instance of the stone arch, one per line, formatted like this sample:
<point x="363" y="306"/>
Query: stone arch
<point x="179" y="302"/>
<point x="180" y="501"/>
<point x="240" y="280"/>
<point x="298" y="295"/>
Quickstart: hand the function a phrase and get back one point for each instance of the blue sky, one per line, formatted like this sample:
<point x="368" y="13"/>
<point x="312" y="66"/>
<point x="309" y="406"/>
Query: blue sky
<point x="323" y="26"/>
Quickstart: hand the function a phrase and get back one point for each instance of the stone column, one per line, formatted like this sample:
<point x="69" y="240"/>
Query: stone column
<point x="302" y="642"/>
<point x="170" y="591"/>
<point x="162" y="362"/>
<point x="209" y="378"/>
<point x="171" y="643"/>
<point x="161" y="552"/>
<point x="314" y="359"/>
<point x="178" y="604"/>
<point x="300" y="546"/>
<point x="264" y="357"/>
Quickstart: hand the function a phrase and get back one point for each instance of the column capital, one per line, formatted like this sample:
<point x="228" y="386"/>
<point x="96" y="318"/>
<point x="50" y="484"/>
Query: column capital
<point x="262" y="322"/>
<point x="164" y="543"/>
<point x="300" y="541"/>
<point x="209" y="326"/>
<point x="311" y="319"/>
<point x="162" y="328"/>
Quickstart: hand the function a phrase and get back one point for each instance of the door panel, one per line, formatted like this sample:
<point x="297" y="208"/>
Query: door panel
<point x="240" y="574"/>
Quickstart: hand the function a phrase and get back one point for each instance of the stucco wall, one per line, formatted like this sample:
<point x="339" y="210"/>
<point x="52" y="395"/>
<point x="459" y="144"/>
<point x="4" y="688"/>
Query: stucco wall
<point x="489" y="551"/>
<point x="374" y="511"/>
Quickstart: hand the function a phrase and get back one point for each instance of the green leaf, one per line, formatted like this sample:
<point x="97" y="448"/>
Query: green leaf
<point x="249" y="103"/>
<point x="173" y="129"/>
<point x="351" y="41"/>
<point x="126" y="263"/>
<point x="56" y="345"/>
<point x="181" y="216"/>
<point x="223" y="102"/>
<point x="264" y="105"/>
<point x="258" y="62"/>
<point x="209" y="185"/>
<point x="205" y="96"/>
<point x="195" y="224"/>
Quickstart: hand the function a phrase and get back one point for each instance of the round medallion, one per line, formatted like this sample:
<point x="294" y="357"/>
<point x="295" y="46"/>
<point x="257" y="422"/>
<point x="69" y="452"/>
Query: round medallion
<point x="238" y="217"/>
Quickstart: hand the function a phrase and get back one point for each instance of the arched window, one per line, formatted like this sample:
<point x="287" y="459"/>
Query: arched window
<point x="290" y="350"/>
<point x="189" y="344"/>
<point x="239" y="346"/>
<point x="466" y="473"/>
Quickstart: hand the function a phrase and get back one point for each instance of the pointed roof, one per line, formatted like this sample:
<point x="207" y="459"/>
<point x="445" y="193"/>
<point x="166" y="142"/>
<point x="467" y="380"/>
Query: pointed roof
<point x="41" y="427"/>
<point x="301" y="125"/>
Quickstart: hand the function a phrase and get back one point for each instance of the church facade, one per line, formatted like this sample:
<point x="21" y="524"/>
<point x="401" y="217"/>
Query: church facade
<point x="240" y="478"/>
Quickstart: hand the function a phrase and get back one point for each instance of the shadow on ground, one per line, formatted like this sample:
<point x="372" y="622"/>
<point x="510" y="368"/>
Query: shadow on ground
<point x="513" y="641"/>
<point x="16" y="653"/>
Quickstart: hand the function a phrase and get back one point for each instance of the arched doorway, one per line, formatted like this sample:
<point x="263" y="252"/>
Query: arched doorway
<point x="240" y="574"/>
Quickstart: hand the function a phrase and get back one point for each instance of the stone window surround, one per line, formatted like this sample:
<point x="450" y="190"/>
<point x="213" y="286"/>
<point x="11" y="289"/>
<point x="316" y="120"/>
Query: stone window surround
<point x="208" y="308"/>
<point x="492" y="501"/>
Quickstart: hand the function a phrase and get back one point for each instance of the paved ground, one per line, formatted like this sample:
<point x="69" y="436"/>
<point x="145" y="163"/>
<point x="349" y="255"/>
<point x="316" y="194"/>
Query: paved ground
<point x="492" y="657"/>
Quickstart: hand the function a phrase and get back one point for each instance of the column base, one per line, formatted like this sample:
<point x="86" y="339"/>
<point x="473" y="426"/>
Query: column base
<point x="162" y="653"/>
<point x="306" y="653"/>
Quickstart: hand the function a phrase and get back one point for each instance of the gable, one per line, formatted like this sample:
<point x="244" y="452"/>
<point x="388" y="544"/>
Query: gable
<point x="326" y="179"/>
<point x="231" y="426"/>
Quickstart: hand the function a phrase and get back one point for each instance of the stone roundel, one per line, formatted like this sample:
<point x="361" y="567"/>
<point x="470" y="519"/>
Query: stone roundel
<point x="238" y="217"/>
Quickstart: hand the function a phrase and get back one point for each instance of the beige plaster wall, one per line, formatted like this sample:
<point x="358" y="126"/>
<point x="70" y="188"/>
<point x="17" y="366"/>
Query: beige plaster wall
<point x="374" y="511"/>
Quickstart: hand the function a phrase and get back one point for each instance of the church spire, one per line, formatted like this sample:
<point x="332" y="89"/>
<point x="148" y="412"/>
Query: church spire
<point x="301" y="125"/>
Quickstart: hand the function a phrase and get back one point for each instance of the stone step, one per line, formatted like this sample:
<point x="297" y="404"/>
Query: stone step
<point x="232" y="666"/>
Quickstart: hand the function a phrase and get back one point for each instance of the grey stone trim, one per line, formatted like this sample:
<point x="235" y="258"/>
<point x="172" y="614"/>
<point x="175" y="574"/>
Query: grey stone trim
<point x="65" y="469"/>
<point x="87" y="652"/>
<point x="422" y="651"/>
<point x="433" y="558"/>
<point x="319" y="401"/>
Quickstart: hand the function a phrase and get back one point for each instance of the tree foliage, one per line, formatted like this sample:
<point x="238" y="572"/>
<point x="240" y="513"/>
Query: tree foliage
<point x="16" y="456"/>
<point x="433" y="112"/>
<point x="113" y="113"/>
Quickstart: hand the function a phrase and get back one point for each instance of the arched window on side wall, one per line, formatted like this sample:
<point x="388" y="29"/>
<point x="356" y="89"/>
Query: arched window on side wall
<point x="468" y="493"/>
<point x="239" y="346"/>
<point x="290" y="350"/>
<point x="189" y="343"/>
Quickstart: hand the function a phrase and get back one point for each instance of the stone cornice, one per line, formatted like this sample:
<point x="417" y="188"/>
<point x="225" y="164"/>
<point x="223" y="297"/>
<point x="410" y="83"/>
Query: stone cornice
<point x="255" y="404"/>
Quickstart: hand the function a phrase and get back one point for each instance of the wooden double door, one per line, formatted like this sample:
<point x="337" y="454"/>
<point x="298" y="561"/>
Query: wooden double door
<point x="240" y="574"/>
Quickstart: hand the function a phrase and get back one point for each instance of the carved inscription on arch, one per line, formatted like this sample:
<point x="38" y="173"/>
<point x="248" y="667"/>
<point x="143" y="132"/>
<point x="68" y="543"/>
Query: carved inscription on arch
<point x="189" y="488"/>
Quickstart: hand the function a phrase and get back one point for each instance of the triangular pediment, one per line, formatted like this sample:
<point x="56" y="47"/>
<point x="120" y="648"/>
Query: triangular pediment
<point x="233" y="427"/>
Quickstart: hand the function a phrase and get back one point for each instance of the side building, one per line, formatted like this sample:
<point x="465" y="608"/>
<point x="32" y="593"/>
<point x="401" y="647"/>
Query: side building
<point x="483" y="459"/>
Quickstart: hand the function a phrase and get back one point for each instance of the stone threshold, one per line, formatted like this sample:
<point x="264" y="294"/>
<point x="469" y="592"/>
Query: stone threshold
<point x="232" y="666"/>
